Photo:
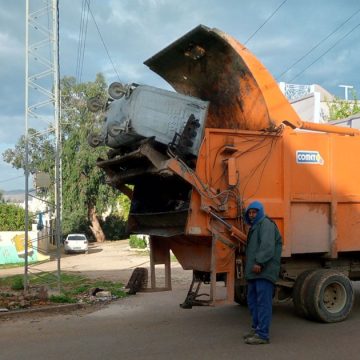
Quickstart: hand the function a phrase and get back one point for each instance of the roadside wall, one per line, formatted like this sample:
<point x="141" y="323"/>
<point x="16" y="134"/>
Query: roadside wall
<point x="12" y="247"/>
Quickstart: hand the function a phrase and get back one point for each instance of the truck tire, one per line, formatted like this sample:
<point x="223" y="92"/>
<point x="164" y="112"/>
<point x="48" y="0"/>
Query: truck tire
<point x="298" y="293"/>
<point x="240" y="293"/>
<point x="138" y="281"/>
<point x="329" y="296"/>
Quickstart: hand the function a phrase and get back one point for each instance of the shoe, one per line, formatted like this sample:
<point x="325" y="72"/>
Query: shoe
<point x="256" y="340"/>
<point x="249" y="334"/>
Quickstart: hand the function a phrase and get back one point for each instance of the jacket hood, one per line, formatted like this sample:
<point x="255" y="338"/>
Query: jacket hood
<point x="260" y="215"/>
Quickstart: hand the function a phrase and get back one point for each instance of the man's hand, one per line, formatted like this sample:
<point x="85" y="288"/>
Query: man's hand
<point x="256" y="269"/>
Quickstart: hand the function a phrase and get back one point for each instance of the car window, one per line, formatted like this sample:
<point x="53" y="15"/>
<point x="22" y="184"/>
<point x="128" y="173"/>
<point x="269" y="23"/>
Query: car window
<point x="76" y="237"/>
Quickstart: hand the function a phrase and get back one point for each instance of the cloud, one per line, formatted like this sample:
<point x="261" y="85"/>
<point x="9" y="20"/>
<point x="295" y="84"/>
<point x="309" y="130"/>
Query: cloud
<point x="9" y="46"/>
<point x="11" y="128"/>
<point x="134" y="30"/>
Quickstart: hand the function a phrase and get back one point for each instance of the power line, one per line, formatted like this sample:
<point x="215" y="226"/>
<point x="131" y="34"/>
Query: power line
<point x="102" y="40"/>
<point x="323" y="54"/>
<point x="267" y="20"/>
<point x="13" y="178"/>
<point x="84" y="42"/>
<point x="318" y="44"/>
<point x="81" y="40"/>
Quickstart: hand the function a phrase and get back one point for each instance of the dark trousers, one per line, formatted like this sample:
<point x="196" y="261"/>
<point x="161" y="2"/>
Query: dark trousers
<point x="259" y="298"/>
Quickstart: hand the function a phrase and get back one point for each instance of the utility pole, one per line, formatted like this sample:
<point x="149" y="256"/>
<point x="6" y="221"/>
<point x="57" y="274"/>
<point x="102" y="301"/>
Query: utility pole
<point x="346" y="87"/>
<point x="56" y="80"/>
<point x="26" y="160"/>
<point x="42" y="102"/>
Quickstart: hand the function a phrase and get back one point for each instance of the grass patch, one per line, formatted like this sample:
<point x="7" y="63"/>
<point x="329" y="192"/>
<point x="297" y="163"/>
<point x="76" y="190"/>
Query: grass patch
<point x="50" y="278"/>
<point x="116" y="288"/>
<point x="73" y="286"/>
<point x="12" y="281"/>
<point x="19" y="264"/>
<point x="62" y="299"/>
<point x="17" y="284"/>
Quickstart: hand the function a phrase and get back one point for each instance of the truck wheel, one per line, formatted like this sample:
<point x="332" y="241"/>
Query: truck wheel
<point x="240" y="293"/>
<point x="329" y="296"/>
<point x="298" y="293"/>
<point x="138" y="281"/>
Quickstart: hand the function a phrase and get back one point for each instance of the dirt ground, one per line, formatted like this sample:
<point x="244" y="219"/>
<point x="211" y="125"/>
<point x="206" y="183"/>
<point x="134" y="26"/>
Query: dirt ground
<point x="112" y="260"/>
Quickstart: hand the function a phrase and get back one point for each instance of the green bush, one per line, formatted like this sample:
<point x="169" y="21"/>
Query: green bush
<point x="17" y="283"/>
<point x="12" y="218"/>
<point x="114" y="228"/>
<point x="137" y="242"/>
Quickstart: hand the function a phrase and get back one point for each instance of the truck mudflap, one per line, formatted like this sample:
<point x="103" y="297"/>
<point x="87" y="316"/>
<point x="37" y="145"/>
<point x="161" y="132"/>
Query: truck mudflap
<point x="213" y="66"/>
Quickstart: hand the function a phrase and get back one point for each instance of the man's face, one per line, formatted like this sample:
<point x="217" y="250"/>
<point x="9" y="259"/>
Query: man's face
<point x="252" y="214"/>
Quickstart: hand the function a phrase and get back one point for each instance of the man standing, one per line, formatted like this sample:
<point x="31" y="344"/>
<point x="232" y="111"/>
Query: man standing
<point x="263" y="254"/>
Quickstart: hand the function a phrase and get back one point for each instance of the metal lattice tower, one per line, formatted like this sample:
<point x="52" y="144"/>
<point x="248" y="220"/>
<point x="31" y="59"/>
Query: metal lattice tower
<point x="42" y="101"/>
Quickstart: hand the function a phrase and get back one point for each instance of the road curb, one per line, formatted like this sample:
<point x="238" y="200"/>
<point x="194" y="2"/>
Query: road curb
<point x="45" y="309"/>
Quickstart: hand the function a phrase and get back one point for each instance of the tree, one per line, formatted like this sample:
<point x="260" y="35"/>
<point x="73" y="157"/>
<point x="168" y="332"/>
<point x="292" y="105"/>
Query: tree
<point x="85" y="194"/>
<point x="12" y="218"/>
<point x="41" y="153"/>
<point x="341" y="109"/>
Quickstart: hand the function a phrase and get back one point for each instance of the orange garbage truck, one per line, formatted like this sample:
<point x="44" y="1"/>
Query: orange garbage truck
<point x="196" y="157"/>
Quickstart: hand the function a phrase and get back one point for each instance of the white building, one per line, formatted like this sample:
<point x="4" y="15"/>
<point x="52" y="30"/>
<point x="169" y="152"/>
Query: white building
<point x="311" y="102"/>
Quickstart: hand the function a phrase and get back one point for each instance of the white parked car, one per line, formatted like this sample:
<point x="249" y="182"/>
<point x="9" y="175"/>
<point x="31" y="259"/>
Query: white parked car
<point x="76" y="243"/>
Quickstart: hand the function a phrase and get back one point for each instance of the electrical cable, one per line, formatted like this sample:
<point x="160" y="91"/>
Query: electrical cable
<point x="262" y="163"/>
<point x="323" y="54"/>
<point x="80" y="39"/>
<point x="10" y="179"/>
<point x="318" y="44"/>
<point x="267" y="20"/>
<point x="102" y="40"/>
<point x="84" y="42"/>
<point x="223" y="196"/>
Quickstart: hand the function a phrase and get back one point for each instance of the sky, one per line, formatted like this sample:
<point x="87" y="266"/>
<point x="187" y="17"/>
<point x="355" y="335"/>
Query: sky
<point x="324" y="35"/>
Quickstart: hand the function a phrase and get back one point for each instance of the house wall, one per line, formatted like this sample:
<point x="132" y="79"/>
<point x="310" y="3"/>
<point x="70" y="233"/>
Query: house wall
<point x="352" y="121"/>
<point x="12" y="249"/>
<point x="309" y="101"/>
<point x="306" y="108"/>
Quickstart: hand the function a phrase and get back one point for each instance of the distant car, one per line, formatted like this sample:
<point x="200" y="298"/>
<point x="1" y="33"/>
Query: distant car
<point x="76" y="243"/>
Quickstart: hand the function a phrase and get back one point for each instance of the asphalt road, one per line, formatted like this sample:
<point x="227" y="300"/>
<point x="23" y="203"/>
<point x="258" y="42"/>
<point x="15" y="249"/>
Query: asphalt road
<point x="153" y="326"/>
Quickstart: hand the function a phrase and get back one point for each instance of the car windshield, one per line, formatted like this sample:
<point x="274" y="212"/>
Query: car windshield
<point x="76" y="237"/>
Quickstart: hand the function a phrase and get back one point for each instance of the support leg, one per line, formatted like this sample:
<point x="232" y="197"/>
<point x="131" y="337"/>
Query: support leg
<point x="160" y="255"/>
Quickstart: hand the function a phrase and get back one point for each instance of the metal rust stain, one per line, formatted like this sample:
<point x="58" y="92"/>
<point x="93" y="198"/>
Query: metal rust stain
<point x="242" y="93"/>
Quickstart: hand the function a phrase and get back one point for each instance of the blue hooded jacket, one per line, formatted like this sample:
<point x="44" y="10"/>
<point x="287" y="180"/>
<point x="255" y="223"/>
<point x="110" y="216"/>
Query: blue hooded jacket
<point x="263" y="247"/>
<point x="260" y="215"/>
